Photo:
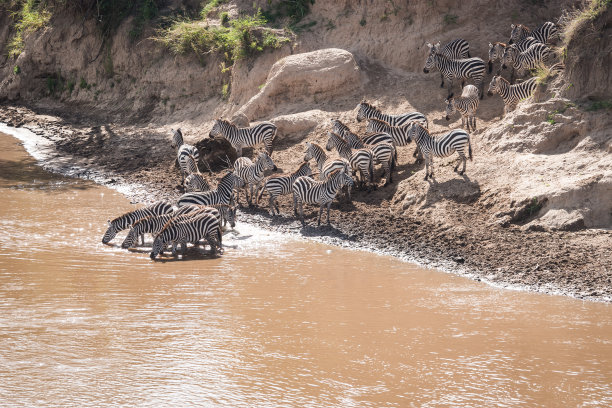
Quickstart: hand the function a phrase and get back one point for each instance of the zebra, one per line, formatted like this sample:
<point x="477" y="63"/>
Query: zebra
<point x="383" y="152"/>
<point x="533" y="57"/>
<point x="281" y="185"/>
<point x="398" y="134"/>
<point x="223" y="194"/>
<point x="326" y="166"/>
<point x="245" y="137"/>
<point x="153" y="224"/>
<point x="466" y="104"/>
<point x="368" y="111"/>
<point x="455" y="141"/>
<point x="496" y="50"/>
<point x="196" y="182"/>
<point x="204" y="226"/>
<point x="512" y="94"/>
<point x="129" y="218"/>
<point x="308" y="191"/>
<point x="186" y="154"/>
<point x="456" y="49"/>
<point x="253" y="173"/>
<point x="360" y="159"/>
<point x="455" y="69"/>
<point x="543" y="33"/>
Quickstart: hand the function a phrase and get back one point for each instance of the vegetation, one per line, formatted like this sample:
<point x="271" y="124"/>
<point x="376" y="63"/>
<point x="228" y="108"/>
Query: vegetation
<point x="245" y="36"/>
<point x="294" y="10"/>
<point x="450" y="19"/>
<point x="572" y="21"/>
<point x="598" y="105"/>
<point x="31" y="15"/>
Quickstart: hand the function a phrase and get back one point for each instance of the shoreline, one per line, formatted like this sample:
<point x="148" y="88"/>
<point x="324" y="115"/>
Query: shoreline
<point x="43" y="147"/>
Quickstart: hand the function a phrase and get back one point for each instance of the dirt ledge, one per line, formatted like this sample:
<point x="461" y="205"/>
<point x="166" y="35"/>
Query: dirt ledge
<point x="466" y="241"/>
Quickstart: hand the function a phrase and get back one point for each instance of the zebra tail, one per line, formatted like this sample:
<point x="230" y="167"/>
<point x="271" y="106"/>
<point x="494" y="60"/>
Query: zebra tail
<point x="469" y="56"/>
<point x="470" y="148"/>
<point x="371" y="171"/>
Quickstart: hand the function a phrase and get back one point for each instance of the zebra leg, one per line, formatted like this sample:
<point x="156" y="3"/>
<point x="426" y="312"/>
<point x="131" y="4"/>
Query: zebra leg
<point x="328" y="207"/>
<point x="463" y="122"/>
<point x="239" y="151"/>
<point x="301" y="212"/>
<point x="142" y="239"/>
<point x="321" y="212"/>
<point x="294" y="204"/>
<point x="473" y="123"/>
<point x="271" y="204"/>
<point x="442" y="77"/>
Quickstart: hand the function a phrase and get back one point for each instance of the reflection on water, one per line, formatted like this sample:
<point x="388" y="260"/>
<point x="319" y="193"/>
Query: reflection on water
<point x="273" y="322"/>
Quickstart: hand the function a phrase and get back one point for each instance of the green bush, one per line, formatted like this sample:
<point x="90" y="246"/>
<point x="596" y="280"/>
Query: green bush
<point x="30" y="17"/>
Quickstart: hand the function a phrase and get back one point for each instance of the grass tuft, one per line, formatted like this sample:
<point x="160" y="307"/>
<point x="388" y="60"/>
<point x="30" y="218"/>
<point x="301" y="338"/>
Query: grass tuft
<point x="31" y="16"/>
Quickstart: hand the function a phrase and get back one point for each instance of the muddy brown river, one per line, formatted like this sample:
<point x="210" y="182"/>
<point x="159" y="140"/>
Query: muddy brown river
<point x="275" y="322"/>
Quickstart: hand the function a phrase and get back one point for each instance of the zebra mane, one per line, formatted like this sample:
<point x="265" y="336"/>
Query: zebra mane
<point x="369" y="105"/>
<point x="500" y="43"/>
<point x="381" y="121"/>
<point x="228" y="123"/>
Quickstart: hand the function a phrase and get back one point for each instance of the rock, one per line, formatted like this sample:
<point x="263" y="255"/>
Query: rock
<point x="215" y="153"/>
<point x="298" y="78"/>
<point x="295" y="127"/>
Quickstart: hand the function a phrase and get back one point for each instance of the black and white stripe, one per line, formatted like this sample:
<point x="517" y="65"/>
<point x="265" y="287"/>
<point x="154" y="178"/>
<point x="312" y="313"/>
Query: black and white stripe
<point x="223" y="194"/>
<point x="361" y="160"/>
<point x="281" y="185"/>
<point x="466" y="105"/>
<point x="322" y="193"/>
<point x="543" y="33"/>
<point x="455" y="69"/>
<point x="496" y="50"/>
<point x="455" y="141"/>
<point x="398" y="134"/>
<point x="512" y="94"/>
<point x="127" y="219"/>
<point x="245" y="137"/>
<point x="533" y="57"/>
<point x="368" y="111"/>
<point x="456" y="49"/>
<point x="384" y="153"/>
<point x="193" y="229"/>
<point x="196" y="182"/>
<point x="186" y="154"/>
<point x="252" y="173"/>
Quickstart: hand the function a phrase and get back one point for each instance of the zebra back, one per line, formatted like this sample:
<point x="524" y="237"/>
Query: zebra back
<point x="456" y="49"/>
<point x="188" y="229"/>
<point x="320" y="192"/>
<point x="177" y="138"/>
<point x="221" y="195"/>
<point x="398" y="134"/>
<point x="368" y="111"/>
<point x="196" y="182"/>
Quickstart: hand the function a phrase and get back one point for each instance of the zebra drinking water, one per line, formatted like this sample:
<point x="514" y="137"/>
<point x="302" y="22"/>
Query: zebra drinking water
<point x="543" y="33"/>
<point x="384" y="153"/>
<point x="204" y="226"/>
<point x="512" y="94"/>
<point x="455" y="141"/>
<point x="367" y="111"/>
<point x="455" y="69"/>
<point x="127" y="219"/>
<point x="281" y="185"/>
<point x="361" y="159"/>
<point x="245" y="137"/>
<point x="308" y="191"/>
<point x="253" y="173"/>
<point x="466" y="104"/>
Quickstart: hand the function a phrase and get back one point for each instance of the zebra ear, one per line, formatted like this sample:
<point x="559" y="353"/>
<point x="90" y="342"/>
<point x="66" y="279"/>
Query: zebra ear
<point x="109" y="223"/>
<point x="512" y="26"/>
<point x="429" y="45"/>
<point x="437" y="44"/>
<point x="490" y="45"/>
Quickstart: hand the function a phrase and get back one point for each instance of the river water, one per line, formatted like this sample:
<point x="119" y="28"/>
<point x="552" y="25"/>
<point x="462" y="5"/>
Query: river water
<point x="276" y="321"/>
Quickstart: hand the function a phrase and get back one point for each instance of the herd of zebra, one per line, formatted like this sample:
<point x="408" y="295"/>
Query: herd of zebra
<point x="201" y="211"/>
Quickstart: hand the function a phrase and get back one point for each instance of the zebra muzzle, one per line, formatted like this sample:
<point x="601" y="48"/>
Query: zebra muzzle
<point x="425" y="70"/>
<point x="447" y="118"/>
<point x="504" y="66"/>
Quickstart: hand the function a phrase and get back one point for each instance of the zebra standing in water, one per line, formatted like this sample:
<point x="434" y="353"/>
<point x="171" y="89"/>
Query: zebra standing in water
<point x="127" y="219"/>
<point x="543" y="33"/>
<point x="308" y="191"/>
<point x="455" y="69"/>
<point x="496" y="50"/>
<point x="204" y="226"/>
<point x="281" y="185"/>
<point x="383" y="153"/>
<point x="222" y="195"/>
<point x="512" y="94"/>
<point x="367" y="111"/>
<point x="454" y="50"/>
<point x="326" y="166"/>
<point x="186" y="154"/>
<point x="455" y="141"/>
<point x="360" y="159"/>
<point x="534" y="57"/>
<point x="264" y="132"/>
<point x="252" y="174"/>
<point x="466" y="104"/>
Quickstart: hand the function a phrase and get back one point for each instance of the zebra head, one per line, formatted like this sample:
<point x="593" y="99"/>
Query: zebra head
<point x="430" y="63"/>
<point x="228" y="212"/>
<point x="495" y="84"/>
<point x="333" y="140"/>
<point x="308" y="154"/>
<point x="510" y="55"/>
<point x="268" y="164"/>
<point x="337" y="126"/>
<point x="158" y="245"/>
<point x="496" y="51"/>
<point x="131" y="238"/>
<point x="110" y="232"/>
<point x="219" y="128"/>
<point x="343" y="178"/>
<point x="364" y="110"/>
<point x="518" y="32"/>
<point x="450" y="106"/>
<point x="177" y="138"/>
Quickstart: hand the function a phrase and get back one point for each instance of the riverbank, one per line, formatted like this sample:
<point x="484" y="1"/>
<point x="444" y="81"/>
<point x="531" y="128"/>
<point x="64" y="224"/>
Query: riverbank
<point x="137" y="160"/>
